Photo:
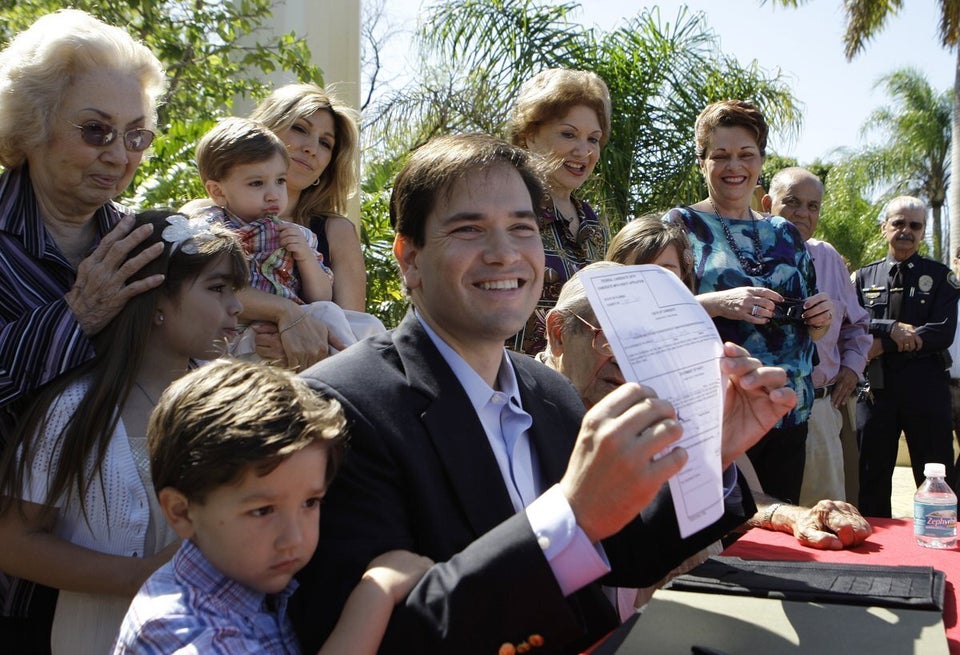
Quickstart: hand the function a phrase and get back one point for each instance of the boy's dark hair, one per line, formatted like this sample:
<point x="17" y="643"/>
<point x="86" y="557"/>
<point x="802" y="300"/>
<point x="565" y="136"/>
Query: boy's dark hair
<point x="219" y="421"/>
<point x="233" y="142"/>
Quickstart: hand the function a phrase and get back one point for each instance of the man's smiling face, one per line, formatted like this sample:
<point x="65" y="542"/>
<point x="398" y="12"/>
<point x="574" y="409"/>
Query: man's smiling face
<point x="478" y="275"/>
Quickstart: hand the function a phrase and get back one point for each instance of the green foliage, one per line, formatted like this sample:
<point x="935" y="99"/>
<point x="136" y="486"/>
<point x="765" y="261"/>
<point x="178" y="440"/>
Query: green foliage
<point x="913" y="155"/>
<point x="772" y="165"/>
<point x="385" y="296"/>
<point x="489" y="47"/>
<point x="212" y="58"/>
<point x="848" y="220"/>
<point x="661" y="73"/>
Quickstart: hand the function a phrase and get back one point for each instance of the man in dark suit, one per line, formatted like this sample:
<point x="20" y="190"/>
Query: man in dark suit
<point x="470" y="455"/>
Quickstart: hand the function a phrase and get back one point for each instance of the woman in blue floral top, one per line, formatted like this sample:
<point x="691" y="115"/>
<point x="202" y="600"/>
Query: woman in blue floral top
<point x="755" y="278"/>
<point x="563" y="115"/>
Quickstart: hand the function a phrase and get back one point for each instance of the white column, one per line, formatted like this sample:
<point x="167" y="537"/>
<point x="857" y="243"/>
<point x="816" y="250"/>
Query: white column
<point x="331" y="29"/>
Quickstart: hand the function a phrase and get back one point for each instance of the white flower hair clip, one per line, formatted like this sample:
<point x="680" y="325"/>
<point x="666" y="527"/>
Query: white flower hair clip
<point x="183" y="233"/>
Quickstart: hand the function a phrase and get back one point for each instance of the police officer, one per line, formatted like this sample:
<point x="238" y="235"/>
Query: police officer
<point x="912" y="303"/>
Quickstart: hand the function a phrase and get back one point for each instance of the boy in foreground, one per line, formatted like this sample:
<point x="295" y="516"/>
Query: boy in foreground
<point x="241" y="455"/>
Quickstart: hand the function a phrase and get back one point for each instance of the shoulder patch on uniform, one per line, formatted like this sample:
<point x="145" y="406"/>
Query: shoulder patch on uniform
<point x="952" y="279"/>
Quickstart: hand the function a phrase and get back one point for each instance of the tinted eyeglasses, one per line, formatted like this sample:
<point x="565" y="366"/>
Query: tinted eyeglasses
<point x="899" y="224"/>
<point x="599" y="343"/>
<point x="100" y="134"/>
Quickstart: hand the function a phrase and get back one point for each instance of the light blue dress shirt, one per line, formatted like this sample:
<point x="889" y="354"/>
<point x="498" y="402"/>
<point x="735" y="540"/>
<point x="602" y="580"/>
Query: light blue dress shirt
<point x="574" y="560"/>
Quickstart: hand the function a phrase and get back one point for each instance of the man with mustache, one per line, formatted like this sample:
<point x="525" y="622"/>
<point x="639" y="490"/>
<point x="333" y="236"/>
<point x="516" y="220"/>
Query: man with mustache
<point x="912" y="301"/>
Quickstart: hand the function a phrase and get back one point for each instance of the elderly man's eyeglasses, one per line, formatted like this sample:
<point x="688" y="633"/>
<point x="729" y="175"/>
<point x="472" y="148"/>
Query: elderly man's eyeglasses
<point x="100" y="134"/>
<point x="599" y="343"/>
<point x="899" y="224"/>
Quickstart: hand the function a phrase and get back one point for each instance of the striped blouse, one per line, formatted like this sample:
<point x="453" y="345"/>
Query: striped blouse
<point x="40" y="337"/>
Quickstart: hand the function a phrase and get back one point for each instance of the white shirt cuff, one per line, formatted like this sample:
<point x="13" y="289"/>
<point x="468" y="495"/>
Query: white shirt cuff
<point x="574" y="560"/>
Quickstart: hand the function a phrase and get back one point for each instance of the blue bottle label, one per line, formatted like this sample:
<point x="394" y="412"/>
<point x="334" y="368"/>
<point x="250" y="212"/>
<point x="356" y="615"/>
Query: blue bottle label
<point x="934" y="520"/>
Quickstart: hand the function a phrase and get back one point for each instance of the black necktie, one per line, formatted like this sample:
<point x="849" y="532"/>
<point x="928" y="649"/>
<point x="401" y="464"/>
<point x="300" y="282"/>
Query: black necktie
<point x="896" y="292"/>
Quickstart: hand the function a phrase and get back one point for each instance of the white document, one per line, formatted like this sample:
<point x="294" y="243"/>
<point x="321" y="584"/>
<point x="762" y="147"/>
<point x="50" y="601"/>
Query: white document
<point x="662" y="338"/>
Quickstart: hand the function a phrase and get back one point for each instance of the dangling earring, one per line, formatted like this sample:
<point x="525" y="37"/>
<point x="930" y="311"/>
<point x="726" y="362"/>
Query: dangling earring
<point x="316" y="182"/>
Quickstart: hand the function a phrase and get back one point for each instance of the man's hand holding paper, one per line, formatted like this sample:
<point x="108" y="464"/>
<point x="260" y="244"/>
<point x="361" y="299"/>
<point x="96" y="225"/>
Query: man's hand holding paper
<point x="724" y="399"/>
<point x="755" y="400"/>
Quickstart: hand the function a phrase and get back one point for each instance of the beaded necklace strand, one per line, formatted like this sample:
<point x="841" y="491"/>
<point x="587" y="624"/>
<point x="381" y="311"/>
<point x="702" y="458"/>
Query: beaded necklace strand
<point x="751" y="268"/>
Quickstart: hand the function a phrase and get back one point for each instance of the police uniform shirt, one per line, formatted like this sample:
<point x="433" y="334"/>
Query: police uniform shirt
<point x="929" y="303"/>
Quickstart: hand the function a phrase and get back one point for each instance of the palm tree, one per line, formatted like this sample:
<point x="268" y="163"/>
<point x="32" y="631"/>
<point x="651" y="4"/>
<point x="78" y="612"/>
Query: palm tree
<point x="475" y="54"/>
<point x="865" y="18"/>
<point x="852" y="225"/>
<point x="914" y="159"/>
<point x="660" y="73"/>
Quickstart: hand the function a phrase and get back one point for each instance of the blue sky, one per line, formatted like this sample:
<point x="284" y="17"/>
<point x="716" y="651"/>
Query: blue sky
<point x="806" y="44"/>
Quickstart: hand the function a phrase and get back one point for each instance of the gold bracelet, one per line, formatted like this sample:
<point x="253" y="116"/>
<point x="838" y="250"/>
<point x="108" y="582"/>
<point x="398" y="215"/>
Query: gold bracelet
<point x="297" y="320"/>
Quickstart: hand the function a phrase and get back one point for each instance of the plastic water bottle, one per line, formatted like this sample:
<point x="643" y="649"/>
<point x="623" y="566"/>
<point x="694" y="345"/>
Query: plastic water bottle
<point x="935" y="510"/>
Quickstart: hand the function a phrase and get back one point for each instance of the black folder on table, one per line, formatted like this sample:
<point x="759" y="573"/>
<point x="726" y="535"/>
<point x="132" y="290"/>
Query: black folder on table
<point x="743" y="607"/>
<point x="910" y="587"/>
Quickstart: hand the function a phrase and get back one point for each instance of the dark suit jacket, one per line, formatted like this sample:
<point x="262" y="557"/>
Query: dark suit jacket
<point x="419" y="474"/>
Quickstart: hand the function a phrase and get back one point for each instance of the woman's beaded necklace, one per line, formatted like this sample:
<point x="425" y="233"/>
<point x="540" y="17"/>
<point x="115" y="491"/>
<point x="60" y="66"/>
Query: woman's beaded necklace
<point x="749" y="267"/>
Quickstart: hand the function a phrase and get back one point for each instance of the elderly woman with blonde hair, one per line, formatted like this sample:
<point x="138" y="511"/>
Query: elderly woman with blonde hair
<point x="564" y="116"/>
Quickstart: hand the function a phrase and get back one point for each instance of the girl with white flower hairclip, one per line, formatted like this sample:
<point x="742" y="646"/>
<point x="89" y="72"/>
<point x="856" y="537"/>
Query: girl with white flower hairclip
<point x="183" y="233"/>
<point x="77" y="508"/>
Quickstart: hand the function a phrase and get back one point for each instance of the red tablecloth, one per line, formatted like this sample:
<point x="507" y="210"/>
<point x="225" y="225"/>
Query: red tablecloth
<point x="891" y="543"/>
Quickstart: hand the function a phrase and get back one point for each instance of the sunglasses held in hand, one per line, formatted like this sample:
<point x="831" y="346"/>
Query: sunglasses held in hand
<point x="788" y="311"/>
<point x="100" y="134"/>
